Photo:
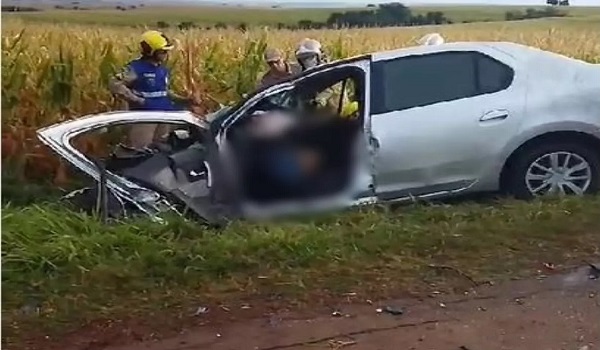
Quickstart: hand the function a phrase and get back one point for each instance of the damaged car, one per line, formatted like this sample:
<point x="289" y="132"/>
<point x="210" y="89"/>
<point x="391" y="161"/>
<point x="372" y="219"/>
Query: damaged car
<point x="432" y="121"/>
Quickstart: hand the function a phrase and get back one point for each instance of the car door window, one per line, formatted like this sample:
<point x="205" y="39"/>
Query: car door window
<point x="422" y="80"/>
<point x="492" y="75"/>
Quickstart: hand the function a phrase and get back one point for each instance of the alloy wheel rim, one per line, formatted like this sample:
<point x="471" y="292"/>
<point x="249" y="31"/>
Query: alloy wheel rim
<point x="558" y="173"/>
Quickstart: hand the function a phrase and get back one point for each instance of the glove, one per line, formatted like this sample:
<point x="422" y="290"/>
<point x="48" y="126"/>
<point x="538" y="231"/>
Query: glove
<point x="350" y="109"/>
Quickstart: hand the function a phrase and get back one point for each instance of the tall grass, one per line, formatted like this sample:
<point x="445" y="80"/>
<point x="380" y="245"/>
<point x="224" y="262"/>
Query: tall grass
<point x="55" y="72"/>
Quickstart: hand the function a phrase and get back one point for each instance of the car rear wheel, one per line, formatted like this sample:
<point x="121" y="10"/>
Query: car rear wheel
<point x="555" y="169"/>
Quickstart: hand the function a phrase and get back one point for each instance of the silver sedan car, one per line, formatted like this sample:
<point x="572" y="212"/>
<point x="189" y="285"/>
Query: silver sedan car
<point x="419" y="122"/>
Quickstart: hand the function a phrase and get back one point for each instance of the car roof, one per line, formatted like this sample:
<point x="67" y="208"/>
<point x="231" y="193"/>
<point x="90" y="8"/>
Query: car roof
<point x="518" y="51"/>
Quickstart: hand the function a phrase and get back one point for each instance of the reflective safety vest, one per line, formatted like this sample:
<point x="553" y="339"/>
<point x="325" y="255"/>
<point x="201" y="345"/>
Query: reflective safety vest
<point x="152" y="84"/>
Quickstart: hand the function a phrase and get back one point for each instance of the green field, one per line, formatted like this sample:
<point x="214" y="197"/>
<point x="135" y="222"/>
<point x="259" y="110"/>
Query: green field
<point x="211" y="15"/>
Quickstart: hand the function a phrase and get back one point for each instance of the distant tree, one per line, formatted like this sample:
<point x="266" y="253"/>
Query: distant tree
<point x="435" y="17"/>
<point x="162" y="24"/>
<point x="552" y="2"/>
<point x="280" y="26"/>
<point x="242" y="27"/>
<point x="220" y="25"/>
<point x="305" y="24"/>
<point x="512" y="16"/>
<point x="185" y="25"/>
<point x="371" y="5"/>
<point x="531" y="13"/>
<point x="563" y="3"/>
<point x="133" y="7"/>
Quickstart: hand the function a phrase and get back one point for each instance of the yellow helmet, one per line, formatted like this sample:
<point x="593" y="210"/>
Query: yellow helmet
<point x="153" y="41"/>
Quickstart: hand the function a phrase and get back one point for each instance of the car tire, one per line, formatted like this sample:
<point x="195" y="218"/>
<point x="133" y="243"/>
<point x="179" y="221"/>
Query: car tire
<point x="519" y="186"/>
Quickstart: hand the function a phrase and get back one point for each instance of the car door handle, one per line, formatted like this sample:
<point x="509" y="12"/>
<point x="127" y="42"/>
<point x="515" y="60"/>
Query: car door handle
<point x="498" y="114"/>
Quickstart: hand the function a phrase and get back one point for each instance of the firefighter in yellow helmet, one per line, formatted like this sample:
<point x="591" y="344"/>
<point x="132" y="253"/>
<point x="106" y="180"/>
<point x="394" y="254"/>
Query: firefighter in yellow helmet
<point x="144" y="84"/>
<point x="309" y="53"/>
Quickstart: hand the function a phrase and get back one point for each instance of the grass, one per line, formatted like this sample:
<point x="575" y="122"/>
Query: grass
<point x="149" y="16"/>
<point x="78" y="270"/>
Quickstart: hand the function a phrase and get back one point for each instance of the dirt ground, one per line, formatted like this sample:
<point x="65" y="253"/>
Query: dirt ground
<point x="560" y="312"/>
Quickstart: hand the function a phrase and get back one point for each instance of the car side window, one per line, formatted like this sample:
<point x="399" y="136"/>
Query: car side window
<point x="423" y="80"/>
<point x="492" y="75"/>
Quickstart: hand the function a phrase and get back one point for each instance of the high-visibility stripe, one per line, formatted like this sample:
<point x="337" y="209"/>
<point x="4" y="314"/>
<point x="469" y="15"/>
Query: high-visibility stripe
<point x="152" y="94"/>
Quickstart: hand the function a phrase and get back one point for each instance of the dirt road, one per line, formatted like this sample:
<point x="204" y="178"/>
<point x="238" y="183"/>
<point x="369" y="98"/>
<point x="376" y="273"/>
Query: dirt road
<point x="554" y="313"/>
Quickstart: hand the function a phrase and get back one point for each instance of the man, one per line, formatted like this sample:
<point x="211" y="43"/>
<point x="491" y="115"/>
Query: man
<point x="144" y="84"/>
<point x="310" y="54"/>
<point x="279" y="69"/>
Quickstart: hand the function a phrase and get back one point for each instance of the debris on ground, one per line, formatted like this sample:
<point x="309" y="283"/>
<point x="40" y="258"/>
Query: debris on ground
<point x="594" y="272"/>
<point x="336" y="314"/>
<point x="391" y="310"/>
<point x="338" y="344"/>
<point x="549" y="266"/>
<point x="201" y="310"/>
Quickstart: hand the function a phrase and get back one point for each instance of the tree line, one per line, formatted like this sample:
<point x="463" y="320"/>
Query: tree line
<point x="384" y="15"/>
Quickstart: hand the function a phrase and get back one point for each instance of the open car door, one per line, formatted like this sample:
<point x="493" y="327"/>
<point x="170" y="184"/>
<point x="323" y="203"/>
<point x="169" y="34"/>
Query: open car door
<point x="161" y="181"/>
<point x="316" y="100"/>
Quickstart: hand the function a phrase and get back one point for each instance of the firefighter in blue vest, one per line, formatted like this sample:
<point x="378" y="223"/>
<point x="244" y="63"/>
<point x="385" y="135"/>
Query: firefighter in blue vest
<point x="144" y="84"/>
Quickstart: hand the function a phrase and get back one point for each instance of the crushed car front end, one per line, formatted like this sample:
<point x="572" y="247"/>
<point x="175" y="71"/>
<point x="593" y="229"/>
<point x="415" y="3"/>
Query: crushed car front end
<point x="174" y="176"/>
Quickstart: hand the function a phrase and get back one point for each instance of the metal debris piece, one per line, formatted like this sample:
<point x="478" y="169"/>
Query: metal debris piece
<point x="246" y="306"/>
<point x="338" y="344"/>
<point x="481" y="308"/>
<point x="393" y="310"/>
<point x="549" y="266"/>
<point x="201" y="310"/>
<point x="594" y="272"/>
<point x="336" y="314"/>
<point x="442" y="305"/>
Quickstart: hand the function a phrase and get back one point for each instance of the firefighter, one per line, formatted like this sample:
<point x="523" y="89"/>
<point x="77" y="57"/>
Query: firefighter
<point x="144" y="84"/>
<point x="279" y="69"/>
<point x="310" y="54"/>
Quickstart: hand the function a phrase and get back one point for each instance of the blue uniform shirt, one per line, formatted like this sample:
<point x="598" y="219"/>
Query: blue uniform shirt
<point x="152" y="84"/>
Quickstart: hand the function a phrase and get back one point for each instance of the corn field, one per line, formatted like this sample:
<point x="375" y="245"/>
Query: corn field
<point x="56" y="72"/>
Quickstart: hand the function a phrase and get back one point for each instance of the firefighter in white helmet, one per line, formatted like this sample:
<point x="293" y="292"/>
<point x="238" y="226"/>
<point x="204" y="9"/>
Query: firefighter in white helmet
<point x="309" y="53"/>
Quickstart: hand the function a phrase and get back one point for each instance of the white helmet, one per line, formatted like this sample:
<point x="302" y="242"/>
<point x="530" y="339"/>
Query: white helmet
<point x="431" y="39"/>
<point x="309" y="53"/>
